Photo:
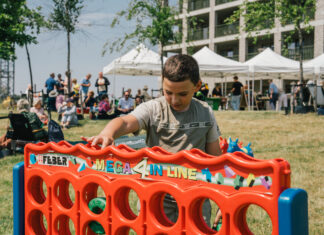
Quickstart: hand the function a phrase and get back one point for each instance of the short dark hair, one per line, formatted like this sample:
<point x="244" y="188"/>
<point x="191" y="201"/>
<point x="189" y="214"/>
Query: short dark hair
<point x="104" y="96"/>
<point x="235" y="77"/>
<point x="179" y="68"/>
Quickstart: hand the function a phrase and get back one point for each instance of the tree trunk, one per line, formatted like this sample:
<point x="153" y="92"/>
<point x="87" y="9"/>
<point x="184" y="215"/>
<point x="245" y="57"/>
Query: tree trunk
<point x="301" y="71"/>
<point x="30" y="72"/>
<point x="68" y="62"/>
<point x="161" y="57"/>
<point x="300" y="41"/>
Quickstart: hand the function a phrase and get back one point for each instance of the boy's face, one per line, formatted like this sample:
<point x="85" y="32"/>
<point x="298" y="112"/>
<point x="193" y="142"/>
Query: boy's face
<point x="179" y="94"/>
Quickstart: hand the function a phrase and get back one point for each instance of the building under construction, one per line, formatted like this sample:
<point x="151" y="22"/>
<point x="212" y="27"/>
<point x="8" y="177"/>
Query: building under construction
<point x="7" y="78"/>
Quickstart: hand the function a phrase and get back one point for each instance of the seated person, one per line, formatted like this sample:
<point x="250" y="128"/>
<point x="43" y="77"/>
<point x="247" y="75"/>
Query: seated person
<point x="59" y="100"/>
<point x="69" y="116"/>
<point x="104" y="107"/>
<point x="138" y="101"/>
<point x="38" y="109"/>
<point x="35" y="123"/>
<point x="125" y="105"/>
<point x="217" y="91"/>
<point x="90" y="102"/>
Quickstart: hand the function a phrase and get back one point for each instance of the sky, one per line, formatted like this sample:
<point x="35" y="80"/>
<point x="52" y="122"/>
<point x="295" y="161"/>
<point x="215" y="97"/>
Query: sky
<point x="50" y="54"/>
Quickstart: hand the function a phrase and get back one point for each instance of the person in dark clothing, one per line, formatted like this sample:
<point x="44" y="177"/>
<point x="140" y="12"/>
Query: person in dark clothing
<point x="90" y="102"/>
<point x="273" y="94"/>
<point x="35" y="123"/>
<point x="217" y="91"/>
<point x="102" y="84"/>
<point x="236" y="94"/>
<point x="60" y="84"/>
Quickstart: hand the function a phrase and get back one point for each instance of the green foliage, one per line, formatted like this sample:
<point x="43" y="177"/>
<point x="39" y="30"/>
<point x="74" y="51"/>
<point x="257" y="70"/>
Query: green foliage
<point x="65" y="15"/>
<point x="18" y="25"/>
<point x="154" y="22"/>
<point x="260" y="15"/>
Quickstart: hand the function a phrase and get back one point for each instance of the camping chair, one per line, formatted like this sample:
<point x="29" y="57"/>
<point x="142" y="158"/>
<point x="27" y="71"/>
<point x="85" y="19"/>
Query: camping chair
<point x="22" y="131"/>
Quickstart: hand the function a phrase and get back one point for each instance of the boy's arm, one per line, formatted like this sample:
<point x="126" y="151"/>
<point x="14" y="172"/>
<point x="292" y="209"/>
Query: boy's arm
<point x="213" y="148"/>
<point x="114" y="129"/>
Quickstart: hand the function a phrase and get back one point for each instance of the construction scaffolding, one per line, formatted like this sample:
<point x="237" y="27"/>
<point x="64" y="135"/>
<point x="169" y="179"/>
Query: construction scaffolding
<point x="7" y="78"/>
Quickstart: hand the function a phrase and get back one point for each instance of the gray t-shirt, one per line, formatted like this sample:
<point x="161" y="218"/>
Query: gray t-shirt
<point x="175" y="131"/>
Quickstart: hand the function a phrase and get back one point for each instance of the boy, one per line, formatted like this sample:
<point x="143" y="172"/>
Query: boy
<point x="175" y="121"/>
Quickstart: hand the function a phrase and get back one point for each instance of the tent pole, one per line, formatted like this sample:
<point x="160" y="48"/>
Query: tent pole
<point x="248" y="91"/>
<point x="222" y="84"/>
<point x="114" y="84"/>
<point x="315" y="92"/>
<point x="253" y="92"/>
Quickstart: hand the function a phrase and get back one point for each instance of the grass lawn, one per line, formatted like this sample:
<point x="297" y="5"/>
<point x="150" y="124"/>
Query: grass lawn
<point x="296" y="138"/>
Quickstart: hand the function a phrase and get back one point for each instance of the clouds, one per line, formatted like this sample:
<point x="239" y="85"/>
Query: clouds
<point x="95" y="18"/>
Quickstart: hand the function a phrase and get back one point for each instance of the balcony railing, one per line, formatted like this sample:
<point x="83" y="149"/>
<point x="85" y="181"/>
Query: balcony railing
<point x="251" y="55"/>
<point x="308" y="53"/>
<point x="226" y="29"/>
<point x="198" y="34"/>
<point x="198" y="4"/>
<point x="233" y="57"/>
<point x="218" y="2"/>
<point x="309" y="13"/>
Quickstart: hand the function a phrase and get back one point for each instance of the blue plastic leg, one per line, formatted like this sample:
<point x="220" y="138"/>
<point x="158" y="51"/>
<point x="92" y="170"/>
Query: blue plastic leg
<point x="293" y="212"/>
<point x="18" y="199"/>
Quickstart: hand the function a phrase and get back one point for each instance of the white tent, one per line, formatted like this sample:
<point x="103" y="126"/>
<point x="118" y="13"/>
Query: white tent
<point x="270" y="62"/>
<point x="138" y="61"/>
<point x="317" y="64"/>
<point x="212" y="64"/>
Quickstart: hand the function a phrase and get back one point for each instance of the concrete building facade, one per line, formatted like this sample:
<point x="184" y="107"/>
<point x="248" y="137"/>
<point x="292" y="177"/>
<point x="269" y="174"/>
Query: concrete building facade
<point x="231" y="42"/>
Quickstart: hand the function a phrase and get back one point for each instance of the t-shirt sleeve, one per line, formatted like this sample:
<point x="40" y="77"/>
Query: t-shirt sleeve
<point x="214" y="132"/>
<point x="142" y="114"/>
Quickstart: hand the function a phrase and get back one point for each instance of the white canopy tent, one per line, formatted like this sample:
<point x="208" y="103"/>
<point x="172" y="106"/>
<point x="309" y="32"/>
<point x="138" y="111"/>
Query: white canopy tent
<point x="212" y="65"/>
<point x="317" y="64"/>
<point x="139" y="61"/>
<point x="269" y="61"/>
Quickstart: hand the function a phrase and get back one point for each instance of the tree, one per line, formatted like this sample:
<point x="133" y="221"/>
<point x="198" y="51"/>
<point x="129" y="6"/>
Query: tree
<point x="33" y="21"/>
<point x="18" y="25"/>
<point x="260" y="15"/>
<point x="158" y="30"/>
<point x="65" y="17"/>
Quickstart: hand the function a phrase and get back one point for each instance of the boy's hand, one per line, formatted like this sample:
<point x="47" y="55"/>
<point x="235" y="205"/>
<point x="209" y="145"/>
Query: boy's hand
<point x="100" y="139"/>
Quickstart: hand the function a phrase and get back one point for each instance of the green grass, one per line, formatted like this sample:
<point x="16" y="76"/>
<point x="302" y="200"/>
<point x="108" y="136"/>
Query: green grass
<point x="296" y="138"/>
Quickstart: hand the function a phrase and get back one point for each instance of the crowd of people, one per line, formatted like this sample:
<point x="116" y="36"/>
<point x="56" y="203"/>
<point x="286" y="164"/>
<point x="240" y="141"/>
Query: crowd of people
<point x="81" y="99"/>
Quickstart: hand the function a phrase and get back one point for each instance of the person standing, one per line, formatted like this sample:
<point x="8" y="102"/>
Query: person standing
<point x="102" y="84"/>
<point x="67" y="84"/>
<point x="273" y="94"/>
<point x="145" y="94"/>
<point x="283" y="100"/>
<point x="85" y="84"/>
<point x="236" y="93"/>
<point x="60" y="84"/>
<point x="50" y="83"/>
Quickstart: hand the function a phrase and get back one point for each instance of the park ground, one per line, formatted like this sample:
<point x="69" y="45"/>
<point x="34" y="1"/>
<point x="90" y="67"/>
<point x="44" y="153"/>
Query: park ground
<point x="297" y="138"/>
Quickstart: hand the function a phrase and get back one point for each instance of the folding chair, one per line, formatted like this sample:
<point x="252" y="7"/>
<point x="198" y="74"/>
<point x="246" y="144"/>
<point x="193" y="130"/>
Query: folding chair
<point x="22" y="131"/>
